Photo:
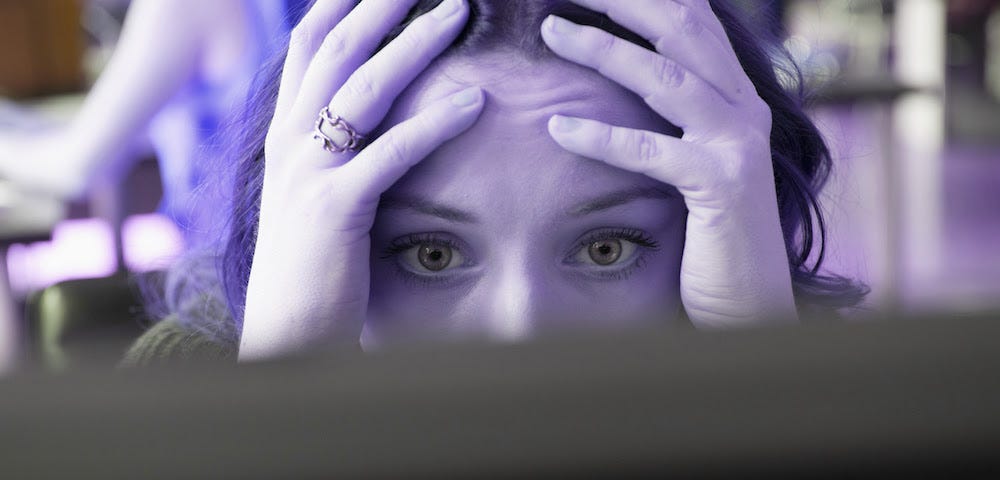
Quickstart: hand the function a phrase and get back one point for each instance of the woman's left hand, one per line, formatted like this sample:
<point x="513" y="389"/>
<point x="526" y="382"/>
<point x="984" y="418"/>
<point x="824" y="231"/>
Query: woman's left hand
<point x="735" y="268"/>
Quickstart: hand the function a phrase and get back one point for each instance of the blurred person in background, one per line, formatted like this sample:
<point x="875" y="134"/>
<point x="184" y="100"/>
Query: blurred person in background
<point x="482" y="169"/>
<point x="179" y="68"/>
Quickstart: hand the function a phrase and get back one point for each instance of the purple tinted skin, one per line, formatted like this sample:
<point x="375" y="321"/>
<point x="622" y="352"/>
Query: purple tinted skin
<point x="497" y="211"/>
<point x="518" y="213"/>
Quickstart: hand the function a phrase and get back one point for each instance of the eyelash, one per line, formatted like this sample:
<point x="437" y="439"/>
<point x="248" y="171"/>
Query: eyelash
<point x="402" y="244"/>
<point x="405" y="243"/>
<point x="637" y="237"/>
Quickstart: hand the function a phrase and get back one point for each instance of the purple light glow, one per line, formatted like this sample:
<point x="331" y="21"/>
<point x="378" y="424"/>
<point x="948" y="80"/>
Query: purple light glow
<point x="78" y="249"/>
<point x="150" y="242"/>
<point x="84" y="248"/>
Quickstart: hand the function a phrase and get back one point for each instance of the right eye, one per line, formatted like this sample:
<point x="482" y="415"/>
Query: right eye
<point x="432" y="257"/>
<point x="426" y="256"/>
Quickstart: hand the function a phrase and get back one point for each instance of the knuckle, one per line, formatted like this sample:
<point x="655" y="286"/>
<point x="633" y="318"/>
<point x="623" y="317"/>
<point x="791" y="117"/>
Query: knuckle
<point x="605" y="49"/>
<point x="333" y="44"/>
<point x="606" y="140"/>
<point x="361" y="85"/>
<point x="330" y="52"/>
<point x="393" y="152"/>
<point x="412" y="39"/>
<point x="664" y="41"/>
<point x="645" y="150"/>
<point x="669" y="72"/>
<point x="648" y="148"/>
<point x="688" y="20"/>
<point x="303" y="36"/>
<point x="419" y="31"/>
<point x="606" y="45"/>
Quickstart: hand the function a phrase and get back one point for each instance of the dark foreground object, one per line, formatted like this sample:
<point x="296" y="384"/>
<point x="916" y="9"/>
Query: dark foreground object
<point x="892" y="397"/>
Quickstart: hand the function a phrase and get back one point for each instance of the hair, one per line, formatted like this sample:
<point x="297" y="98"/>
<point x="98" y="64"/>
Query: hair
<point x="801" y="160"/>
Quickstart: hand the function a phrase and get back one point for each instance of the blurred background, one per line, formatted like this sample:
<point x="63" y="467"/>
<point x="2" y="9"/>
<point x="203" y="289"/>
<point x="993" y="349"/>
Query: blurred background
<point x="907" y="93"/>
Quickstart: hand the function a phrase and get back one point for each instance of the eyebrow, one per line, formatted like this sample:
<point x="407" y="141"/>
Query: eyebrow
<point x="427" y="207"/>
<point x="603" y="202"/>
<point x="621" y="197"/>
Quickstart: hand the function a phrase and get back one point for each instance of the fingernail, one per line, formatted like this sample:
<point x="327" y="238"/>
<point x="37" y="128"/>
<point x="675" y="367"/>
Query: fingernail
<point x="563" y="124"/>
<point x="446" y="9"/>
<point x="467" y="97"/>
<point x="561" y="26"/>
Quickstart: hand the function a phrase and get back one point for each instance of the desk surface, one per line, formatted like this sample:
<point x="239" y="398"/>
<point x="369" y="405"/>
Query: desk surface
<point x="916" y="397"/>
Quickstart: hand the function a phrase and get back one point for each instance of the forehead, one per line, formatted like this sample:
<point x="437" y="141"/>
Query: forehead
<point x="507" y="154"/>
<point x="529" y="89"/>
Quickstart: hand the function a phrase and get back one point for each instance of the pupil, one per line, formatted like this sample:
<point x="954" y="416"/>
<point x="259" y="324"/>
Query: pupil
<point x="605" y="252"/>
<point x="434" y="257"/>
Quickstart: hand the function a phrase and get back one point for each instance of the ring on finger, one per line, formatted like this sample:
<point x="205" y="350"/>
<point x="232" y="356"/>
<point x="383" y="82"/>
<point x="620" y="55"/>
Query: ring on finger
<point x="350" y="139"/>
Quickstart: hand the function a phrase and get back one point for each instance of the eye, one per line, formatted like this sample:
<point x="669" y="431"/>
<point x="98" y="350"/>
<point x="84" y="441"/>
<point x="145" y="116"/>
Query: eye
<point x="606" y="252"/>
<point x="426" y="254"/>
<point x="611" y="254"/>
<point x="434" y="257"/>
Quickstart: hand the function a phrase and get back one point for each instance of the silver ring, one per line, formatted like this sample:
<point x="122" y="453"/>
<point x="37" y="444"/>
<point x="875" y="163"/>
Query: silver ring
<point x="355" y="141"/>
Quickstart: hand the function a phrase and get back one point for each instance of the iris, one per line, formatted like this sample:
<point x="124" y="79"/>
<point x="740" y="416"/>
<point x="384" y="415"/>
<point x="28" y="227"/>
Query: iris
<point x="605" y="252"/>
<point x="434" y="257"/>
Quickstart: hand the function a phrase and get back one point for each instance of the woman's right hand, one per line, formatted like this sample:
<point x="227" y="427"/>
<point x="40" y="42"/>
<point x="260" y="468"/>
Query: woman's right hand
<point x="310" y="278"/>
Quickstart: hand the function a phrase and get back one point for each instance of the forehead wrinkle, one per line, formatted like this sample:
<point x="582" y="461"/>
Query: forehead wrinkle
<point x="540" y="84"/>
<point x="506" y="164"/>
<point x="514" y="83"/>
<point x="427" y="87"/>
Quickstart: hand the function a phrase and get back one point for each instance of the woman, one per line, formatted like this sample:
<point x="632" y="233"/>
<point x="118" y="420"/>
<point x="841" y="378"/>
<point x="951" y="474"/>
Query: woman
<point x="499" y="169"/>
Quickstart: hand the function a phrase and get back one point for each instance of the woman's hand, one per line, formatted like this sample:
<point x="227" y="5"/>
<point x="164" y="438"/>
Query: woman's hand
<point x="735" y="268"/>
<point x="309" y="281"/>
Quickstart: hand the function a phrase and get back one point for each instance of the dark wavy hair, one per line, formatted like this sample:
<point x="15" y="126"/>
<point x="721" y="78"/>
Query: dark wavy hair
<point x="800" y="157"/>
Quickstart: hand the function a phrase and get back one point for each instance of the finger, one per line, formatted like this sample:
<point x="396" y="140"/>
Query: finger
<point x="670" y="89"/>
<point x="304" y="40"/>
<point x="370" y="91"/>
<point x="344" y="49"/>
<point x="661" y="157"/>
<point x="386" y="160"/>
<point x="703" y="9"/>
<point x="683" y="32"/>
<point x="647" y="17"/>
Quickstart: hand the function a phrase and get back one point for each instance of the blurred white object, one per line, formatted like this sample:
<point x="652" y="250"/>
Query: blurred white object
<point x="920" y="40"/>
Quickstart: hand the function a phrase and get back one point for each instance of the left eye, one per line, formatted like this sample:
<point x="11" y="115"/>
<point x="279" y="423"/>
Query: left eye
<point x="432" y="257"/>
<point x="605" y="252"/>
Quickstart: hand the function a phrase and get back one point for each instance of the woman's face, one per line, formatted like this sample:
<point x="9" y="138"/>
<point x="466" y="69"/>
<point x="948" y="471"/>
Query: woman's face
<point x="503" y="234"/>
